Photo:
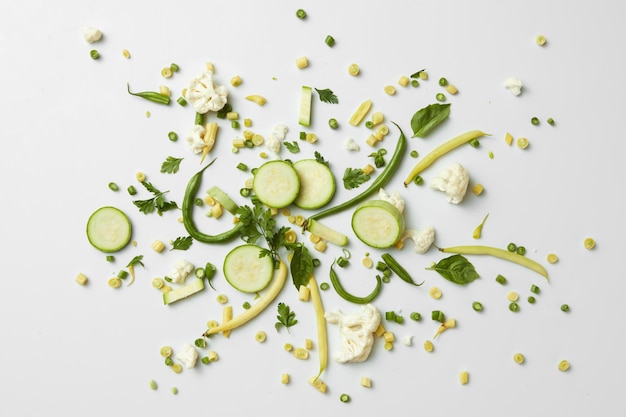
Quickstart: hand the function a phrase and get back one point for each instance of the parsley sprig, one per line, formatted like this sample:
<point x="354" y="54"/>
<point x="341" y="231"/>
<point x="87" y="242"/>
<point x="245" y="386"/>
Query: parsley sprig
<point x="157" y="203"/>
<point x="354" y="177"/>
<point x="171" y="165"/>
<point x="286" y="317"/>
<point x="327" y="96"/>
<point x="182" y="243"/>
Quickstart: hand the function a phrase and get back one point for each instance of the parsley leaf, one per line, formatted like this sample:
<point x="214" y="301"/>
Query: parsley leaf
<point x="171" y="165"/>
<point x="286" y="317"/>
<point x="379" y="158"/>
<point x="354" y="177"/>
<point x="327" y="96"/>
<point x="156" y="203"/>
<point x="259" y="222"/>
<point x="292" y="147"/>
<point x="182" y="243"/>
<point x="319" y="158"/>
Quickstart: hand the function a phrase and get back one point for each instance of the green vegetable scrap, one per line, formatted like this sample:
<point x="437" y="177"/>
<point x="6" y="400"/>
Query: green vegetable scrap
<point x="456" y="269"/>
<point x="429" y="117"/>
<point x="286" y="317"/>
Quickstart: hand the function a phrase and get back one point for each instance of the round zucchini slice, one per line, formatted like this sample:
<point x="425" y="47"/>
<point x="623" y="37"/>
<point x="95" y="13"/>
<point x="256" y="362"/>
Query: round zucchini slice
<point x="378" y="223"/>
<point x="276" y="184"/>
<point x="108" y="229"/>
<point x="317" y="184"/>
<point x="246" y="271"/>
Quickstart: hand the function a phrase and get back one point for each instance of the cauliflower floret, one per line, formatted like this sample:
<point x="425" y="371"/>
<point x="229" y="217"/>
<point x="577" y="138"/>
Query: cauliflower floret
<point x="393" y="198"/>
<point x="275" y="138"/>
<point x="356" y="333"/>
<point x="514" y="86"/>
<point x="180" y="271"/>
<point x="350" y="145"/>
<point x="204" y="94"/>
<point x="423" y="239"/>
<point x="92" y="34"/>
<point x="188" y="355"/>
<point x="453" y="181"/>
<point x="195" y="138"/>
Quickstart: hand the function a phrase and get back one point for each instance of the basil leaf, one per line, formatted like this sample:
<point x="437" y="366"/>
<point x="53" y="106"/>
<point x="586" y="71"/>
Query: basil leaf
<point x="301" y="266"/>
<point x="427" y="118"/>
<point x="456" y="269"/>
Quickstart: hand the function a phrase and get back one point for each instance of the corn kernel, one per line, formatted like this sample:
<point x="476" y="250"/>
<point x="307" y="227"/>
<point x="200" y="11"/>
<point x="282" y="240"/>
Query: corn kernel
<point x="403" y="81"/>
<point x="563" y="365"/>
<point x="158" y="246"/>
<point x="302" y="62"/>
<point x="380" y="330"/>
<point x="354" y="70"/>
<point x="235" y="81"/>
<point x="477" y="189"/>
<point x="81" y="279"/>
<point x="552" y="258"/>
<point x="247" y="122"/>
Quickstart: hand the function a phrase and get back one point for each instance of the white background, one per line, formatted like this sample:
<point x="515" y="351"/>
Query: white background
<point x="69" y="128"/>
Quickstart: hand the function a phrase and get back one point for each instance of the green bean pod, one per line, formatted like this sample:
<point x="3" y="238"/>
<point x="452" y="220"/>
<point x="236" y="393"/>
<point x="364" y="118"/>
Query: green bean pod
<point x="153" y="96"/>
<point x="187" y="209"/>
<point x="379" y="182"/>
<point x="334" y="279"/>
<point x="398" y="269"/>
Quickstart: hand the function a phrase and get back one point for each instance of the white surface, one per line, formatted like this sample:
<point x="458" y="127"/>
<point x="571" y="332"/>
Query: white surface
<point x="68" y="128"/>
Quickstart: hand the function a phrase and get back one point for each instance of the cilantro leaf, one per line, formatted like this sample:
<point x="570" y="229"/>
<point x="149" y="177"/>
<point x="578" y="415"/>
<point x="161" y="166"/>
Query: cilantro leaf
<point x="286" y="317"/>
<point x="182" y="243"/>
<point x="319" y="158"/>
<point x="156" y="203"/>
<point x="292" y="147"/>
<point x="171" y="165"/>
<point x="354" y="177"/>
<point x="327" y="96"/>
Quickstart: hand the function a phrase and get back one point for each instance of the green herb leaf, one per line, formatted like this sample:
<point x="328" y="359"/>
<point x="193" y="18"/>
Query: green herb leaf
<point x="182" y="243"/>
<point x="286" y="317"/>
<point x="156" y="203"/>
<point x="354" y="177"/>
<point x="429" y="117"/>
<point x="379" y="158"/>
<point x="136" y="261"/>
<point x="327" y="96"/>
<point x="171" y="165"/>
<point x="319" y="158"/>
<point x="301" y="266"/>
<point x="456" y="269"/>
<point x="292" y="147"/>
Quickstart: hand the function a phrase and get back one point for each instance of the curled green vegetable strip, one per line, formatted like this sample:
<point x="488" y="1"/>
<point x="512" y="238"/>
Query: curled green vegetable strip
<point x="187" y="209"/>
<point x="398" y="269"/>
<point x="150" y="96"/>
<point x="334" y="279"/>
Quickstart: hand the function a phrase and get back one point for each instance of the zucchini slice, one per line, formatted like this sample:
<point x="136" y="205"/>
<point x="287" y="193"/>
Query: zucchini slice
<point x="246" y="271"/>
<point x="183" y="292"/>
<point x="108" y="229"/>
<point x="223" y="198"/>
<point x="276" y="184"/>
<point x="317" y="184"/>
<point x="378" y="223"/>
<point x="306" y="96"/>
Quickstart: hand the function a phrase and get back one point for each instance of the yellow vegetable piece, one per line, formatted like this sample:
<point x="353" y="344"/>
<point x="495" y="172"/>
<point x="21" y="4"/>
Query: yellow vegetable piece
<point x="564" y="365"/>
<point x="360" y="112"/>
<point x="403" y="81"/>
<point x="541" y="40"/>
<point x="552" y="258"/>
<point x="236" y="81"/>
<point x="519" y="358"/>
<point x="508" y="138"/>
<point x="368" y="169"/>
<point x="512" y="296"/>
<point x="464" y="377"/>
<point x="448" y="324"/>
<point x="166" y="351"/>
<point x="158" y="246"/>
<point x="389" y="337"/>
<point x="304" y="293"/>
<point x="140" y="176"/>
<point x="428" y="346"/>
<point x="177" y="367"/>
<point x="423" y="75"/>
<point x="81" y="279"/>
<point x="247" y="122"/>
<point x="260" y="336"/>
<point x="589" y="243"/>
<point x="390" y="89"/>
<point x="366" y="382"/>
<point x="255" y="98"/>
<point x="367" y="262"/>
<point x="451" y="89"/>
<point x="354" y="70"/>
<point x="388" y="345"/>
<point x="435" y="293"/>
<point x="158" y="283"/>
<point x="522" y="143"/>
<point x="321" y="246"/>
<point x="377" y="118"/>
<point x="478" y="189"/>
<point x="288" y="347"/>
<point x="479" y="229"/>
<point x="166" y="72"/>
<point x="301" y="353"/>
<point x="284" y="379"/>
<point x="212" y="355"/>
<point x="227" y="315"/>
<point x="302" y="62"/>
<point x="125" y="53"/>
<point x="115" y="282"/>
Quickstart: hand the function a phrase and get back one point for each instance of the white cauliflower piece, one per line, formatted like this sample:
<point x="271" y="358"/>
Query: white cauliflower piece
<point x="407" y="340"/>
<point x="204" y="94"/>
<point x="393" y="198"/>
<point x="181" y="270"/>
<point x="92" y="34"/>
<point x="188" y="355"/>
<point x="356" y="333"/>
<point x="276" y="137"/>
<point x="423" y="239"/>
<point x="453" y="181"/>
<point x="195" y="138"/>
<point x="350" y="145"/>
<point x="514" y="85"/>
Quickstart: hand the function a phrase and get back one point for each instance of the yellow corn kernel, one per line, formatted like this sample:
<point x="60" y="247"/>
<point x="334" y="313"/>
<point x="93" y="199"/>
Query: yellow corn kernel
<point x="372" y="140"/>
<point x="311" y="137"/>
<point x="258" y="99"/>
<point x="389" y="337"/>
<point x="247" y="122"/>
<point x="403" y="81"/>
<point x="380" y="330"/>
<point x="367" y="262"/>
<point x="390" y="89"/>
<point x="377" y="118"/>
<point x="125" y="53"/>
<point x="354" y="70"/>
<point x="260" y="336"/>
<point x="435" y="293"/>
<point x="302" y="62"/>
<point x="304" y="293"/>
<point x="541" y="40"/>
<point x="477" y="189"/>
<point x="368" y="169"/>
<point x="166" y="72"/>
<point x="81" y="279"/>
<point x="158" y="283"/>
<point x="428" y="346"/>
<point x="158" y="246"/>
<point x="508" y="138"/>
<point x="451" y="89"/>
<point x="263" y="155"/>
<point x="301" y="353"/>
<point x="140" y="176"/>
<point x="177" y="367"/>
<point x="284" y="379"/>
<point x="320" y="246"/>
<point x="360" y="112"/>
<point x="366" y="382"/>
<point x="212" y="355"/>
<point x="216" y="210"/>
<point x="552" y="258"/>
<point x="235" y="81"/>
<point x="464" y="377"/>
<point x="232" y="115"/>
<point x="314" y="238"/>
<point x="165" y="90"/>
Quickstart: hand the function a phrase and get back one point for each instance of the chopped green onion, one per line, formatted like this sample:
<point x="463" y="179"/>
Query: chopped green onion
<point x="474" y="143"/>
<point x="390" y="315"/>
<point x="198" y="202"/>
<point x="200" y="273"/>
<point x="369" y="124"/>
<point x="316" y="262"/>
<point x="300" y="14"/>
<point x="234" y="124"/>
<point x="153" y="384"/>
<point x="205" y="360"/>
<point x="169" y="361"/>
<point x="415" y="83"/>
<point x="246" y="305"/>
<point x="385" y="278"/>
<point x="418" y="180"/>
<point x="302" y="136"/>
<point x="324" y="286"/>
<point x="565" y="308"/>
<point x="333" y="123"/>
<point x="500" y="279"/>
<point x="330" y="41"/>
<point x="174" y="67"/>
<point x="123" y="274"/>
<point x="534" y="121"/>
<point x="201" y="343"/>
<point x="437" y="315"/>
<point x="113" y="186"/>
<point x="550" y="121"/>
<point x="131" y="190"/>
<point x="440" y="97"/>
<point x="241" y="166"/>
<point x="514" y="307"/>
<point x="181" y="100"/>
<point x="414" y="154"/>
<point x="415" y="316"/>
<point x="94" y="54"/>
<point x="342" y="262"/>
<point x="110" y="258"/>
<point x="398" y="319"/>
<point x="531" y="299"/>
<point x="443" y="82"/>
<point x="521" y="250"/>
<point x="244" y="192"/>
<point x="381" y="266"/>
<point x="344" y="398"/>
<point x="512" y="247"/>
<point x="477" y="306"/>
<point x="534" y="289"/>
